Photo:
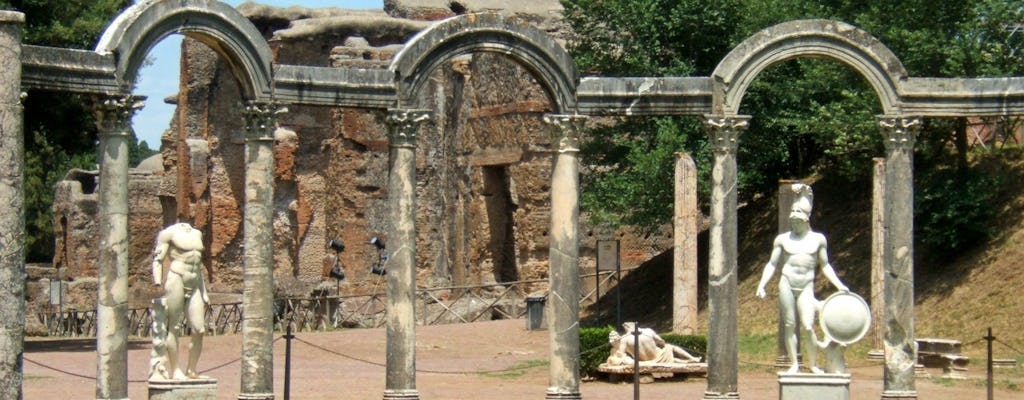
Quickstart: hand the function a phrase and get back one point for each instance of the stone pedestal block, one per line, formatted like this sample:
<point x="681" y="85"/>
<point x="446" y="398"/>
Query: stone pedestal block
<point x="191" y="389"/>
<point x="801" y="386"/>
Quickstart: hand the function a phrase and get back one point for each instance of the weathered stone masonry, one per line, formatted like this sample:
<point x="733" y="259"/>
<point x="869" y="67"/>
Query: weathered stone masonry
<point x="409" y="82"/>
<point x="482" y="168"/>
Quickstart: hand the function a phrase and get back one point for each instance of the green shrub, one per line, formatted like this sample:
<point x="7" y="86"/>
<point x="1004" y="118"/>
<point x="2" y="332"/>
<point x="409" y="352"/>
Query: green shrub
<point x="953" y="210"/>
<point x="593" y="349"/>
<point x="697" y="345"/>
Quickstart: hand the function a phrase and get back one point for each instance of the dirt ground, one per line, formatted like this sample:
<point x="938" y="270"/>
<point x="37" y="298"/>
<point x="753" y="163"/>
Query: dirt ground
<point x="452" y="361"/>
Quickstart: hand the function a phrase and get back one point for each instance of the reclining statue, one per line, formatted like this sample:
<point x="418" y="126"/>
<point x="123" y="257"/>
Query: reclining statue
<point x="652" y="348"/>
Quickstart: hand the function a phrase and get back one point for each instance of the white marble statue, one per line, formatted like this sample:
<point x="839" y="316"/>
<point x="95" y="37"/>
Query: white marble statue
<point x="652" y="348"/>
<point x="800" y="252"/>
<point x="184" y="301"/>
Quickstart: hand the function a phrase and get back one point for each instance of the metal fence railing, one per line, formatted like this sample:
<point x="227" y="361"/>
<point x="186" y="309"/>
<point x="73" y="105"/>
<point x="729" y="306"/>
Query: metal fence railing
<point x="443" y="305"/>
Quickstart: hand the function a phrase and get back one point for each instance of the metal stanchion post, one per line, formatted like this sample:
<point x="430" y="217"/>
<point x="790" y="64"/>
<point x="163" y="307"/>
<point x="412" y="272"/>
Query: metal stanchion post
<point x="636" y="362"/>
<point x="989" y="338"/>
<point x="288" y="361"/>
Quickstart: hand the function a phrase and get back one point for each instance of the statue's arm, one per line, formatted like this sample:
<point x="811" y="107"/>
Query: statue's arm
<point x="826" y="267"/>
<point x="202" y="290"/>
<point x="769" y="269"/>
<point x="163" y="244"/>
<point x="657" y="339"/>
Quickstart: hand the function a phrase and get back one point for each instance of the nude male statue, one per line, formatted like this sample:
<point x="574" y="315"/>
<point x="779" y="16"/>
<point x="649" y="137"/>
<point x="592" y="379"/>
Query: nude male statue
<point x="185" y="297"/>
<point x="652" y="348"/>
<point x="799" y="251"/>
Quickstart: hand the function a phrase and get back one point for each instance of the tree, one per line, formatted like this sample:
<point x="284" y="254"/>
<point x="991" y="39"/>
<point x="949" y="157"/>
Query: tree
<point x="58" y="128"/>
<point x="810" y="115"/>
<point x="632" y="159"/>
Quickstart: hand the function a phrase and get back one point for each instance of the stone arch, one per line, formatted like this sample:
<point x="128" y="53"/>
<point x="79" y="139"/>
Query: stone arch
<point x="807" y="38"/>
<point x="136" y="30"/>
<point x="463" y="34"/>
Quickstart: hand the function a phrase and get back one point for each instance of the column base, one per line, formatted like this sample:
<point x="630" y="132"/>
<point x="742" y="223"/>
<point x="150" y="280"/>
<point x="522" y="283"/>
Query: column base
<point x="800" y="386"/>
<point x="899" y="395"/>
<point x="562" y="396"/>
<point x="404" y="394"/>
<point x="187" y="389"/>
<point x="721" y="396"/>
<point x="256" y="396"/>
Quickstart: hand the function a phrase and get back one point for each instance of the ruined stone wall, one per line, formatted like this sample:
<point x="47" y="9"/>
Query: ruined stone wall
<point x="77" y="231"/>
<point x="483" y="164"/>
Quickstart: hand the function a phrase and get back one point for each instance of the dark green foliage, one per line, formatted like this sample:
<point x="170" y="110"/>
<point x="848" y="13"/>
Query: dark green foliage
<point x="811" y="116"/>
<point x="953" y="210"/>
<point x="631" y="163"/>
<point x="634" y="160"/>
<point x="697" y="345"/>
<point x="74" y="24"/>
<point x="59" y="132"/>
<point x="593" y="349"/>
<point x="650" y="37"/>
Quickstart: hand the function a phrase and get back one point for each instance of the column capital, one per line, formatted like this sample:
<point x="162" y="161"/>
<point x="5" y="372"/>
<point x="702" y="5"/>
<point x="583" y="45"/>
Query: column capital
<point x="899" y="132"/>
<point x="114" y="113"/>
<point x="403" y="126"/>
<point x="12" y="17"/>
<point x="566" y="131"/>
<point x="725" y="131"/>
<point x="260" y="119"/>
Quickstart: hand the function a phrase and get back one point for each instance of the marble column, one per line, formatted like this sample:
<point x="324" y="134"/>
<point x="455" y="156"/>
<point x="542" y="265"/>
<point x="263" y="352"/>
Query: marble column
<point x="12" y="196"/>
<point x="684" y="252"/>
<point x="722" y="357"/>
<point x="400" y="381"/>
<point x="257" y="372"/>
<point x="899" y="134"/>
<point x="113" y="119"/>
<point x="877" y="259"/>
<point x="563" y="306"/>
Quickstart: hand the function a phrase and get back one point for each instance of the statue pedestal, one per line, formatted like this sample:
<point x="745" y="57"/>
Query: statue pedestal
<point x="651" y="371"/>
<point x="185" y="389"/>
<point x="801" y="386"/>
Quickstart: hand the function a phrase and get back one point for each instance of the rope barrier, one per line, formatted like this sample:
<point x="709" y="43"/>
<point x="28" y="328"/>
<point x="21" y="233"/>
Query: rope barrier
<point x="77" y="375"/>
<point x="974" y="342"/>
<point x="93" y="378"/>
<point x="1009" y="347"/>
<point x="426" y="371"/>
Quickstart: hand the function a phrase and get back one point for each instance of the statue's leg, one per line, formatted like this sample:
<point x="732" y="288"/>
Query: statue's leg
<point x="680" y="352"/>
<point x="174" y="303"/>
<point x="806" y="306"/>
<point x="197" y="322"/>
<point x="835" y="361"/>
<point x="787" y="304"/>
<point x="158" y="362"/>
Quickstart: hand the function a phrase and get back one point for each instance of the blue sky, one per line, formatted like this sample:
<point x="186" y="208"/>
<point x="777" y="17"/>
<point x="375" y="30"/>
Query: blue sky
<point x="159" y="80"/>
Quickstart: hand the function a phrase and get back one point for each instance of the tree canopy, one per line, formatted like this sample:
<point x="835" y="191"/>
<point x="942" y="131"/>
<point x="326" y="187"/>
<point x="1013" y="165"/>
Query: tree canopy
<point x="59" y="130"/>
<point x="810" y="115"/>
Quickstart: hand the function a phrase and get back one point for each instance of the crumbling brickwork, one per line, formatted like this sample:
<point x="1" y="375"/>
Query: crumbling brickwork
<point x="483" y="162"/>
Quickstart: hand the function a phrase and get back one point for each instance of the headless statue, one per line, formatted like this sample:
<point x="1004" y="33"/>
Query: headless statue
<point x="184" y="301"/>
<point x="652" y="348"/>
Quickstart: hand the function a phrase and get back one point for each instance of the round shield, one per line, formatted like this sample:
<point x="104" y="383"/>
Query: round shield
<point x="845" y="317"/>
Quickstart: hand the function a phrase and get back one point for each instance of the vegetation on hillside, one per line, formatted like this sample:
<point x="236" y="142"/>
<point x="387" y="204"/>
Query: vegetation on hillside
<point x="810" y="115"/>
<point x="59" y="130"/>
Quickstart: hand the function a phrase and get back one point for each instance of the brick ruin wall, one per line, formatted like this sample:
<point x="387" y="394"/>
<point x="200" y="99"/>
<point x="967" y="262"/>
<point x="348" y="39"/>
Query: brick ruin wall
<point x="483" y="167"/>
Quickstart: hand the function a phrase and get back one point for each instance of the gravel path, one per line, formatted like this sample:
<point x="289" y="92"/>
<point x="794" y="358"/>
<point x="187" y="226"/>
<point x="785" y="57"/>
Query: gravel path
<point x="348" y="364"/>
